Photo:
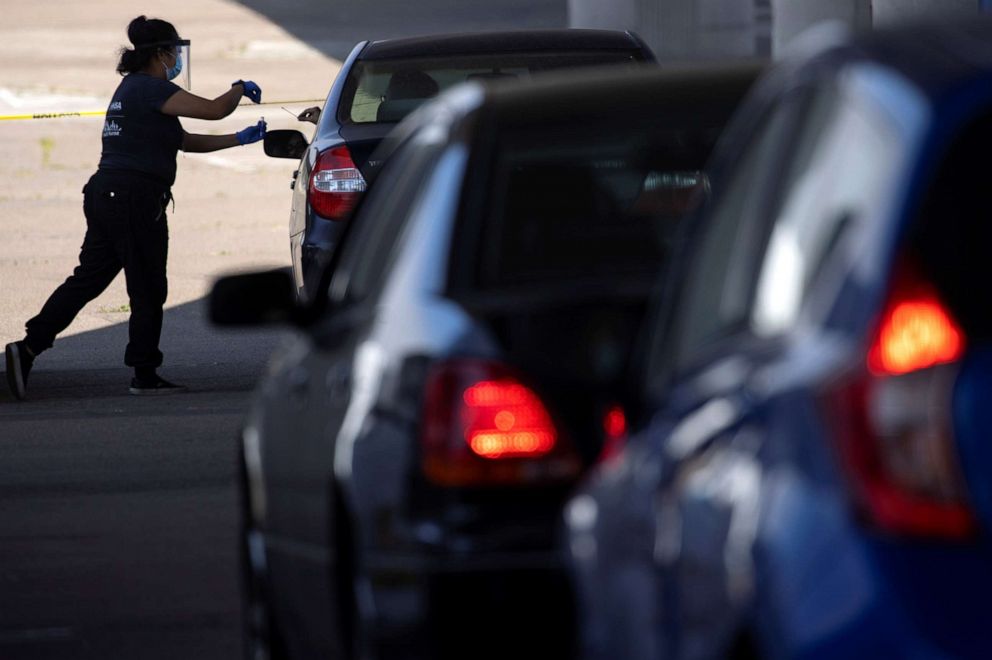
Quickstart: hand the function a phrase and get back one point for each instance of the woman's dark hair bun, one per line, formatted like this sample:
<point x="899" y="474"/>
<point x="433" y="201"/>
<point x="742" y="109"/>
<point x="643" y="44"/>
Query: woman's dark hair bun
<point x="136" y="30"/>
<point x="141" y="32"/>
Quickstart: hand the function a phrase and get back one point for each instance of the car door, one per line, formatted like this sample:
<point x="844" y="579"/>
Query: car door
<point x="842" y="160"/>
<point x="706" y="351"/>
<point x="693" y="365"/>
<point x="304" y="563"/>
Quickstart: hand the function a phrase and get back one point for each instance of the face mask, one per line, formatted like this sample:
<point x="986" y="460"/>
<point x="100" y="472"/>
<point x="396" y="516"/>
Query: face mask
<point x="175" y="70"/>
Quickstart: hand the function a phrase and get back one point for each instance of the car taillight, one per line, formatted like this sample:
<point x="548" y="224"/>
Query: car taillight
<point x="483" y="426"/>
<point x="335" y="184"/>
<point x="614" y="432"/>
<point x="894" y="420"/>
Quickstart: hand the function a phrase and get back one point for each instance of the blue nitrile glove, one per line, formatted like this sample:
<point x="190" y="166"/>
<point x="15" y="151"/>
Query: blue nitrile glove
<point x="251" y="134"/>
<point x="252" y="91"/>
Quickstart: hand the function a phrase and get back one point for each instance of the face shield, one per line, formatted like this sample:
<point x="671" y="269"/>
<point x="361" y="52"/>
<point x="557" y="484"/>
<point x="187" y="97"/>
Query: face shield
<point x="182" y="77"/>
<point x="179" y="73"/>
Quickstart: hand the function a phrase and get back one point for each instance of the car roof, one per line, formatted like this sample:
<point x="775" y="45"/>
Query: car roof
<point x="474" y="43"/>
<point x="616" y="94"/>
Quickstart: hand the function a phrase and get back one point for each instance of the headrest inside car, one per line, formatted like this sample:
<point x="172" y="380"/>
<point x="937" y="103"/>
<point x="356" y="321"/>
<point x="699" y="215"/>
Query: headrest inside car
<point x="396" y="110"/>
<point x="411" y="84"/>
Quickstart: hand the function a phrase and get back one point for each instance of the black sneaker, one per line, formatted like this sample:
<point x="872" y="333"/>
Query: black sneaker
<point x="19" y="363"/>
<point x="154" y="386"/>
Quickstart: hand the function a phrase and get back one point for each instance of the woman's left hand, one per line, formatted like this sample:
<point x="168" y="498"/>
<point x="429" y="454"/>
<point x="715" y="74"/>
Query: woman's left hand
<point x="253" y="133"/>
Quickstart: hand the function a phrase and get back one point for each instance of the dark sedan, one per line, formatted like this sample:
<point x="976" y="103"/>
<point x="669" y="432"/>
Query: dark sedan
<point x="379" y="84"/>
<point x="408" y="454"/>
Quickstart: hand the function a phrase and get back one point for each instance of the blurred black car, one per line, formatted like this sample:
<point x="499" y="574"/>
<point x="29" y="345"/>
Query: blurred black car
<point x="379" y="84"/>
<point x="408" y="454"/>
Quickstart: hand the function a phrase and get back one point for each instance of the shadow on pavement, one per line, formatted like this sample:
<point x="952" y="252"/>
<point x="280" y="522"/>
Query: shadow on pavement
<point x="333" y="27"/>
<point x="206" y="359"/>
<point x="134" y="554"/>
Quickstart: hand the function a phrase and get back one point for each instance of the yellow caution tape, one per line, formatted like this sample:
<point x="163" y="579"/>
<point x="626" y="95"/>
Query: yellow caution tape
<point x="55" y="115"/>
<point x="100" y="113"/>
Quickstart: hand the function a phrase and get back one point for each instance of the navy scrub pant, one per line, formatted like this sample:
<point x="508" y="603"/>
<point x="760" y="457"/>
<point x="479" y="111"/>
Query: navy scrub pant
<point x="125" y="229"/>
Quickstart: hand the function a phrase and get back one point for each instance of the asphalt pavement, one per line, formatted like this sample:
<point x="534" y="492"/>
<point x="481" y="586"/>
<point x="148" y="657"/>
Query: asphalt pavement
<point x="118" y="513"/>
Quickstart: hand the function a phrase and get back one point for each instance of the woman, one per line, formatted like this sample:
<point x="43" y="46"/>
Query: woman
<point x="125" y="201"/>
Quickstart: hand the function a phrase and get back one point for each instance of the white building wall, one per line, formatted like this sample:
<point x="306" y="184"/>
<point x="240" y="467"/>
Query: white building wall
<point x="707" y="29"/>
<point x="608" y="15"/>
<point x="728" y="28"/>
<point x="683" y="29"/>
<point x="792" y="17"/>
<point x="887" y="12"/>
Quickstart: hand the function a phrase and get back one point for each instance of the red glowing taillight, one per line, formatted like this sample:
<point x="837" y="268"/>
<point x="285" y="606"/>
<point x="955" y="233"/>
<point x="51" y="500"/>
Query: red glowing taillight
<point x="483" y="425"/>
<point x="916" y="332"/>
<point x="335" y="184"/>
<point x="504" y="419"/>
<point x="614" y="432"/>
<point x="615" y="423"/>
<point x="894" y="422"/>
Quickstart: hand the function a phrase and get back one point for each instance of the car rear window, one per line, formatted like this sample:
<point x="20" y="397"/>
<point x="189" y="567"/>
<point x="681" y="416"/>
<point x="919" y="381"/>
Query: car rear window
<point x="588" y="202"/>
<point x="952" y="234"/>
<point x="385" y="91"/>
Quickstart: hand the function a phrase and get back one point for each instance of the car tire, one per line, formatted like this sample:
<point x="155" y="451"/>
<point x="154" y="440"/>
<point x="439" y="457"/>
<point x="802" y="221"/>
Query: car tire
<point x="355" y="642"/>
<point x="261" y="638"/>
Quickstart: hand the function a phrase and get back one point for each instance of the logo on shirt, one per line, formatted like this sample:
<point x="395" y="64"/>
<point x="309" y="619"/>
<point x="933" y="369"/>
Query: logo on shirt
<point x="111" y="129"/>
<point x="116" y="105"/>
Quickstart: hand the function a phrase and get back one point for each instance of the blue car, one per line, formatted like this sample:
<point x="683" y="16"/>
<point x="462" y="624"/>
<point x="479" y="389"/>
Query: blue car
<point x="812" y="477"/>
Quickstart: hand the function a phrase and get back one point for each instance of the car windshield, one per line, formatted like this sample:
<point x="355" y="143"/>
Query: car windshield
<point x="569" y="204"/>
<point x="385" y="91"/>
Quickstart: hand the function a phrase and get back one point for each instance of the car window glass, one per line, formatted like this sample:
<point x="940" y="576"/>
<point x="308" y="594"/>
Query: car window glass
<point x="365" y="255"/>
<point x="951" y="238"/>
<point x="850" y="162"/>
<point x="576" y="203"/>
<point x="714" y="299"/>
<point x="388" y="90"/>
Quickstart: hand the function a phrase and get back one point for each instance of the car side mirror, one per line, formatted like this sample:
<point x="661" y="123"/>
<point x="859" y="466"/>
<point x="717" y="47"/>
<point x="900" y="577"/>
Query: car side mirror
<point x="261" y="298"/>
<point x="285" y="144"/>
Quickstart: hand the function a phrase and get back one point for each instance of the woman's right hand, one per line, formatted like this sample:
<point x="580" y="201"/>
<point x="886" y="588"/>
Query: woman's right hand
<point x="184" y="104"/>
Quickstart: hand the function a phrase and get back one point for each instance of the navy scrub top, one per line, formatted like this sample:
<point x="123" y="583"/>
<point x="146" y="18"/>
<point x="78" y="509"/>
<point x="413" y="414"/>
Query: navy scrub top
<point x="137" y="137"/>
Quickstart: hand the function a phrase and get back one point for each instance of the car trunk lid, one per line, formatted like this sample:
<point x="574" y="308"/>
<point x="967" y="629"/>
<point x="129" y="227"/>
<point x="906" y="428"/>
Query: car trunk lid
<point x="362" y="142"/>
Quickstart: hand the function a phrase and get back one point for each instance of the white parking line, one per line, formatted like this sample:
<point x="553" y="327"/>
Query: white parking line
<point x="34" y="100"/>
